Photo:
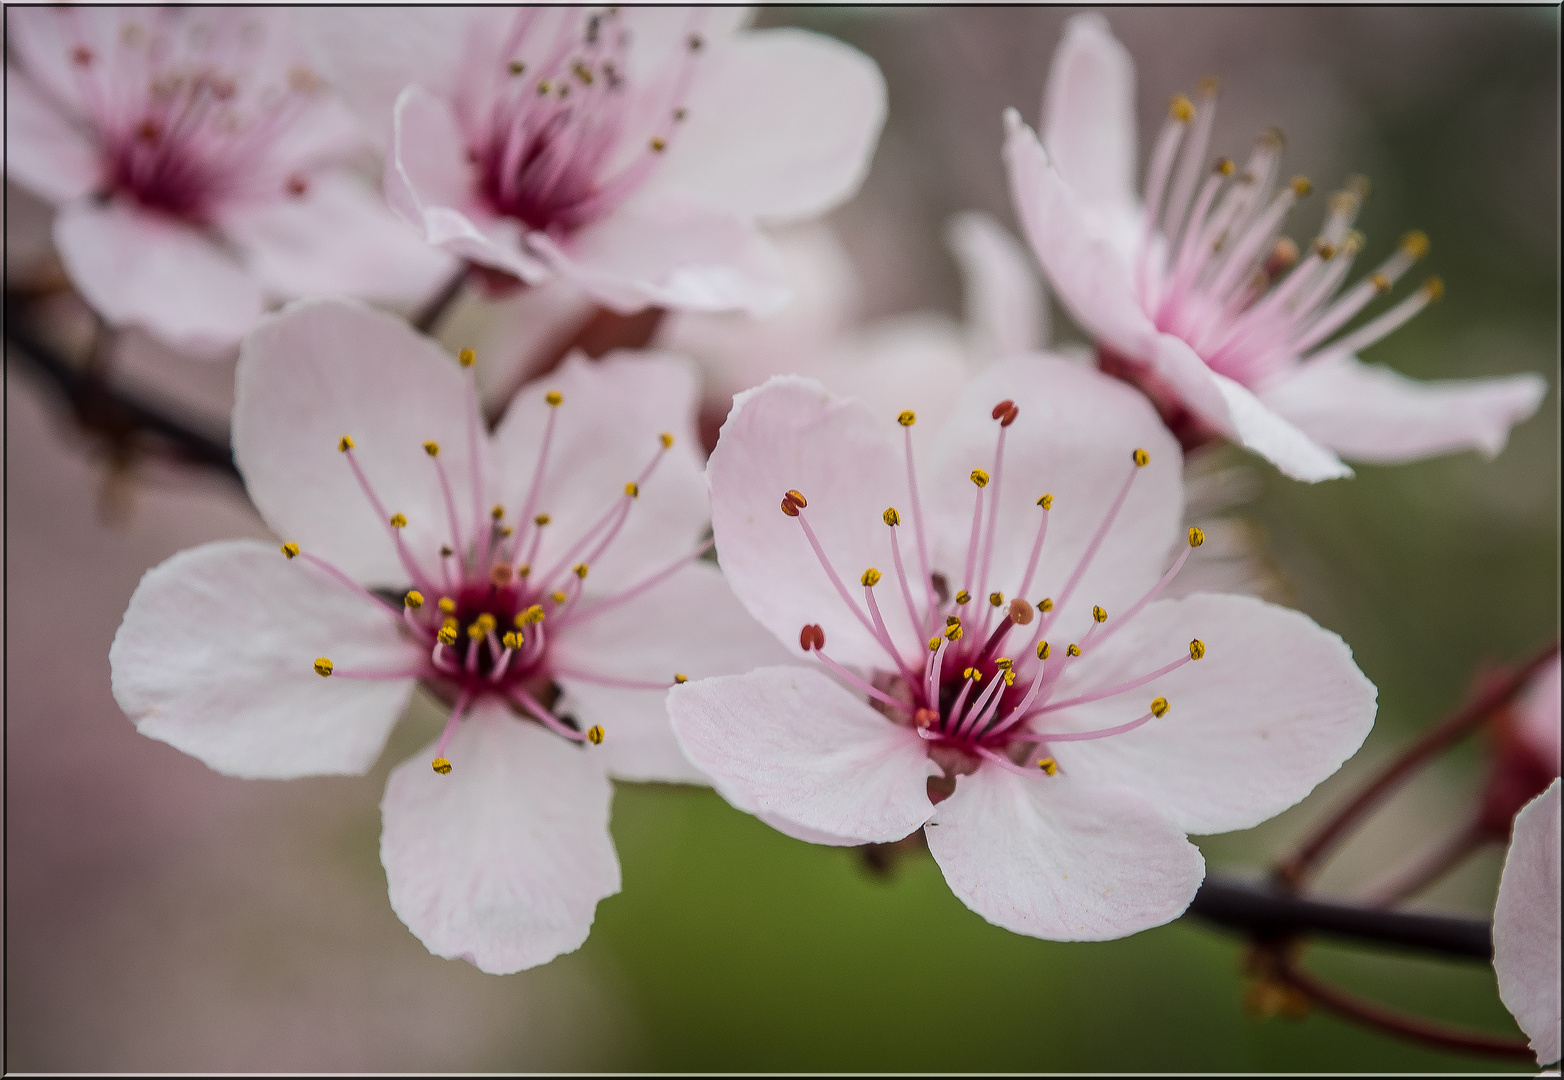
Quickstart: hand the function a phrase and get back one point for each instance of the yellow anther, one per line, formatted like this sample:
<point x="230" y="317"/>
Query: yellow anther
<point x="1048" y="765"/>
<point x="486" y="621"/>
<point x="506" y="530"/>
<point x="1003" y="662"/>
<point x="1045" y="605"/>
<point x="934" y="643"/>
<point x="952" y="620"/>
<point x="996" y="598"/>
<point x="1042" y="650"/>
<point x="446" y="605"/>
<point x="516" y="67"/>
<point x="1325" y="250"/>
<point x="953" y="633"/>
<point x="475" y="630"/>
<point x="544" y="87"/>
<point x="1353" y="243"/>
<point x="891" y="517"/>
<point x="666" y="438"/>
<point x="1046" y="502"/>
<point x="445" y="551"/>
<point x="972" y="673"/>
<point x="1197" y="649"/>
<point x="679" y="678"/>
<point x="399" y="521"/>
<point x="871" y="578"/>
<point x="1415" y="243"/>
<point x="906" y="418"/>
<point x="1301" y="186"/>
<point x="633" y="490"/>
<point x="541" y="520"/>
<point x="1225" y="166"/>
<point x="345" y="443"/>
<point x="1381" y="283"/>
<point x="290" y="549"/>
<point x="440" y="765"/>
<point x="510" y="639"/>
<point x="580" y="570"/>
<point x="963" y="597"/>
<point x="583" y="72"/>
<point x="467" y="358"/>
<point x="1141" y="458"/>
<point x="595" y="734"/>
<point x="524" y="570"/>
<point x="1159" y="706"/>
<point x="1099" y="614"/>
<point x="322" y="666"/>
<point x="1010" y="678"/>
<point x="533" y="614"/>
<point x="658" y="144"/>
<point x="554" y="398"/>
<point x="1434" y="288"/>
<point x="1197" y="536"/>
<point x="1073" y="650"/>
<point x="557" y="597"/>
<point x="414" y="599"/>
<point x="980" y="478"/>
<point x="497" y="512"/>
<point x="447" y="634"/>
<point x="450" y="621"/>
<point x="1181" y="109"/>
<point x="432" y="448"/>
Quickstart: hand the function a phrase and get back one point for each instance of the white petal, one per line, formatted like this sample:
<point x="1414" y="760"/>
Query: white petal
<point x="45" y="151"/>
<point x="1526" y="925"/>
<point x="1006" y="311"/>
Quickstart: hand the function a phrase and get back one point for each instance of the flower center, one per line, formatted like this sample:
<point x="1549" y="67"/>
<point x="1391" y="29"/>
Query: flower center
<point x="982" y="684"/>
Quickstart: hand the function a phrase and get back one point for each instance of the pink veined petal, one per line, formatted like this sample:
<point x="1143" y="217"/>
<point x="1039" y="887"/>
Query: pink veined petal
<point x="1537" y="714"/>
<point x="1274" y="707"/>
<point x="786" y="827"/>
<point x="1057" y="858"/>
<point x="146" y="270"/>
<point x="322" y="369"/>
<point x="790" y="742"/>
<point x="1234" y="411"/>
<point x="661" y="249"/>
<point x="607" y="430"/>
<point x="792" y="434"/>
<point x="1526" y="925"/>
<point x="45" y="152"/>
<point x="1074" y="439"/>
<point x="691" y="625"/>
<point x="1089" y="124"/>
<point x="1005" y="309"/>
<point x="781" y="125"/>
<point x="338" y="239"/>
<point x="502" y="861"/>
<point x="246" y="699"/>
<point x="1372" y="414"/>
<point x="1082" y="260"/>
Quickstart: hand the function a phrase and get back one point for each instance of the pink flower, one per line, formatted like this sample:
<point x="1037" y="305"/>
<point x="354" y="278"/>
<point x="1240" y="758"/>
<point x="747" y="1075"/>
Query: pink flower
<point x="1195" y="295"/>
<point x="189" y="152"/>
<point x="631" y="150"/>
<point x="1008" y="682"/>
<point x="543" y="582"/>
<point x="1526" y="924"/>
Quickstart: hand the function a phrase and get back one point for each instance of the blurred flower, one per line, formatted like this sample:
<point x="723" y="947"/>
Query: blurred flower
<point x="1526" y="924"/>
<point x="191" y="153"/>
<point x="1526" y="752"/>
<point x="545" y="637"/>
<point x="1197" y="298"/>
<point x="1052" y="808"/>
<point x="629" y="150"/>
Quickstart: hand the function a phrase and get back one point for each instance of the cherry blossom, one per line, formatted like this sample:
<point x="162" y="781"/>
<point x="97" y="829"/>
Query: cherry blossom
<point x="1195" y="295"/>
<point x="543" y="583"/>
<point x="1526" y="924"/>
<point x="983" y="653"/>
<point x="194" y="161"/>
<point x="629" y="150"/>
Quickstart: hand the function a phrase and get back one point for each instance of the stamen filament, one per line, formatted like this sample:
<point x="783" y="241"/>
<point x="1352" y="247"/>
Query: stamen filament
<point x="1083" y="736"/>
<point x="906" y="589"/>
<point x="848" y="676"/>
<point x="1086" y="557"/>
<point x="576" y="617"/>
<point x="462" y="701"/>
<point x="917" y="522"/>
<point x="841" y="589"/>
<point x="326" y="567"/>
<point x="1112" y="691"/>
<point x="408" y="562"/>
<point x="530" y="704"/>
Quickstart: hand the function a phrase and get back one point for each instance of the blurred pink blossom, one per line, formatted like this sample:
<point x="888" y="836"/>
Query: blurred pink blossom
<point x="1526" y="925"/>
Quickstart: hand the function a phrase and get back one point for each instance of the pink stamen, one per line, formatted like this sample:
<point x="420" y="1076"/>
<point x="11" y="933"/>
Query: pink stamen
<point x="321" y="564"/>
<point x="423" y="631"/>
<point x="1086" y="557"/>
<point x="457" y="543"/>
<point x="917" y="621"/>
<point x="408" y="562"/>
<point x="1005" y="763"/>
<point x="979" y="712"/>
<point x="1084" y="736"/>
<point x="1150" y="595"/>
<point x="854" y="680"/>
<point x="917" y="523"/>
<point x="1037" y="550"/>
<point x="644" y="585"/>
<point x="931" y="681"/>
<point x="520" y="697"/>
<point x="462" y="701"/>
<point x="1019" y="713"/>
<point x="884" y="635"/>
<point x="530" y="504"/>
<point x="1121" y="688"/>
<point x="992" y="528"/>
<point x="841" y="589"/>
<point x="972" y="540"/>
<point x="378" y="676"/>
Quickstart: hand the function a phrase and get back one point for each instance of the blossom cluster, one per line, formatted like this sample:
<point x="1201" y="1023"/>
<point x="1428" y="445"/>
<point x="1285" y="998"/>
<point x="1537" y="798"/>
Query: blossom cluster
<point x="867" y="581"/>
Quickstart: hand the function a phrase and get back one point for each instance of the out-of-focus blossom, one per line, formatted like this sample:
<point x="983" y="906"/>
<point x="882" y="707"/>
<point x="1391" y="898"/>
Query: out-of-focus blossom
<point x="1056" y="742"/>
<point x="1526" y="924"/>
<point x="193" y="158"/>
<point x="543" y="582"/>
<point x="1526" y="752"/>
<point x="632" y="151"/>
<point x="1195" y="296"/>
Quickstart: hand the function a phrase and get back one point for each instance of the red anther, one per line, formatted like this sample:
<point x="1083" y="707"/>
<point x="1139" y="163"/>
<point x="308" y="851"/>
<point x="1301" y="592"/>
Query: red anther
<point x="925" y="718"/>
<point x="798" y="497"/>
<point x="789" y="507"/>
<point x="500" y="574"/>
<point x="1020" y="611"/>
<point x="1002" y="408"/>
<point x="81" y="56"/>
<point x="150" y="131"/>
<point x="811" y="637"/>
<point x="1010" y="416"/>
<point x="297" y="186"/>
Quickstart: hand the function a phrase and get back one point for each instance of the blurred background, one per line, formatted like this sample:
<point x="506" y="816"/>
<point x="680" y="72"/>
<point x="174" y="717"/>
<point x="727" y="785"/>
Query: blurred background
<point x="162" y="917"/>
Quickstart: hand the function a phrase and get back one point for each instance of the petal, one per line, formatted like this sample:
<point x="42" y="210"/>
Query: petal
<point x="158" y="274"/>
<point x="215" y="657"/>
<point x="1089" y="118"/>
<point x="502" y="861"/>
<point x="1056" y="858"/>
<point x="322" y="369"/>
<point x="45" y="152"/>
<point x="691" y="625"/>
<point x="1538" y="715"/>
<point x="1526" y="925"/>
<point x="662" y="250"/>
<point x="43" y="39"/>
<point x="790" y="742"/>
<point x="1074" y="439"/>
<point x="1082" y="259"/>
<point x="791" y="434"/>
<point x="1274" y="707"/>
<point x="607" y="430"/>
<point x="338" y="239"/>
<point x="1235" y="412"/>
<point x="781" y="125"/>
<point x="1006" y="312"/>
<point x="526" y="333"/>
<point x="919" y="361"/>
<point x="1373" y="414"/>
